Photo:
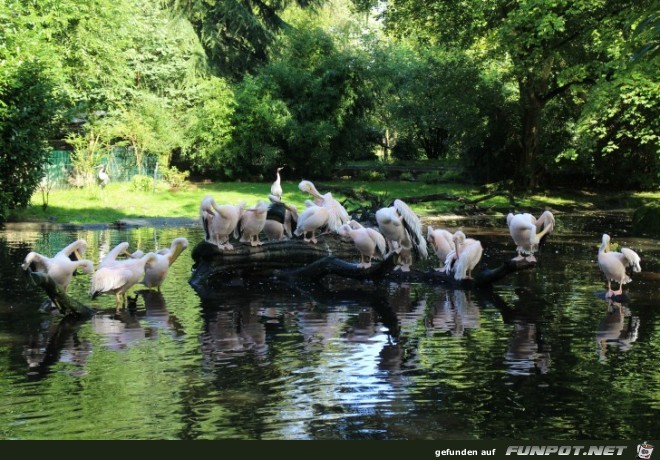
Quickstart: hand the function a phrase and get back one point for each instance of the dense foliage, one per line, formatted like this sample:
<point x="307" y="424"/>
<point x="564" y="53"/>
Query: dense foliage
<point x="530" y="91"/>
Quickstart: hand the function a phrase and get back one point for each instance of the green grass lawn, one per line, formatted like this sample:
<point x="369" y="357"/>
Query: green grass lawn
<point x="118" y="200"/>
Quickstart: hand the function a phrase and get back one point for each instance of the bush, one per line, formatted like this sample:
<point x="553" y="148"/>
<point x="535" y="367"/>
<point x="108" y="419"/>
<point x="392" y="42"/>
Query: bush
<point x="177" y="180"/>
<point x="140" y="183"/>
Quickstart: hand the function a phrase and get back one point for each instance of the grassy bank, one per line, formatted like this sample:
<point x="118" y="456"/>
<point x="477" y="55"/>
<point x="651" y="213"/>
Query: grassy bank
<point x="119" y="201"/>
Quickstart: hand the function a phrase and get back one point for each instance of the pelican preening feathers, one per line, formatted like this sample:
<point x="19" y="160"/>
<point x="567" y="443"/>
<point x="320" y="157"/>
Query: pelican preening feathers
<point x="61" y="267"/>
<point x="313" y="218"/>
<point x="337" y="214"/>
<point x="442" y="242"/>
<point x="402" y="230"/>
<point x="465" y="256"/>
<point x="281" y="219"/>
<point x="614" y="264"/>
<point x="155" y="273"/>
<point x="120" y="277"/>
<point x="252" y="222"/>
<point x="528" y="233"/>
<point x="368" y="241"/>
<point x="220" y="222"/>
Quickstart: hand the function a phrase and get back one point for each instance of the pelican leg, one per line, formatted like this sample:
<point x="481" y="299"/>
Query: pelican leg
<point x="530" y="258"/>
<point x="610" y="292"/>
<point x="620" y="290"/>
<point x="367" y="264"/>
<point x="313" y="239"/>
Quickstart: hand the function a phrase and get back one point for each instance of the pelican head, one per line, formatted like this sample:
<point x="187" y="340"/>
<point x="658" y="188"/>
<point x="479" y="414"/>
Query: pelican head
<point x="307" y="187"/>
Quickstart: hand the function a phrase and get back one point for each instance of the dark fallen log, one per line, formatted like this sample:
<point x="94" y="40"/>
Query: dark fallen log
<point x="66" y="305"/>
<point x="293" y="260"/>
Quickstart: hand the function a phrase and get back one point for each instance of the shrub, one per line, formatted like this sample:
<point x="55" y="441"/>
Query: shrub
<point x="140" y="183"/>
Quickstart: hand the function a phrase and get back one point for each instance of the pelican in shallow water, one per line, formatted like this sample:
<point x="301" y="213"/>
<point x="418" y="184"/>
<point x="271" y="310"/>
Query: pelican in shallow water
<point x="402" y="230"/>
<point x="368" y="241"/>
<point x="337" y="214"/>
<point x="614" y="264"/>
<point x="464" y="257"/>
<point x="155" y="273"/>
<point x="528" y="233"/>
<point x="117" y="279"/>
<point x="61" y="267"/>
<point x="442" y="242"/>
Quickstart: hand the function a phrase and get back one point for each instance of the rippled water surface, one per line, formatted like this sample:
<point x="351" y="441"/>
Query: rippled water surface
<point x="543" y="355"/>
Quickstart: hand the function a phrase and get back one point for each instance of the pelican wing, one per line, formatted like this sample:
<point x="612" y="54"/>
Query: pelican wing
<point x="109" y="279"/>
<point x="632" y="259"/>
<point x="413" y="227"/>
<point x="379" y="239"/>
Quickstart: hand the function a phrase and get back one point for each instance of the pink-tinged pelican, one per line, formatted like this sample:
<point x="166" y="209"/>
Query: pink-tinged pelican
<point x="61" y="267"/>
<point x="368" y="241"/>
<point x="252" y="223"/>
<point x="614" y="264"/>
<point x="155" y="273"/>
<point x="281" y="219"/>
<point x="442" y="242"/>
<point x="276" y="187"/>
<point x="220" y="222"/>
<point x="312" y="219"/>
<point x="464" y="257"/>
<point x="402" y="230"/>
<point x="119" y="278"/>
<point x="528" y="232"/>
<point x="111" y="257"/>
<point x="337" y="214"/>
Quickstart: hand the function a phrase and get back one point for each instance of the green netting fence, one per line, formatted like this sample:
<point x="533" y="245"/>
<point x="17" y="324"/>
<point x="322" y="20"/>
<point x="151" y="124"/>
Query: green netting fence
<point x="121" y="167"/>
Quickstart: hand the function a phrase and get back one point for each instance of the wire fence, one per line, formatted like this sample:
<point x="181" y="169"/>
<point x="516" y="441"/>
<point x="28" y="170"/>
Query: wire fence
<point x="120" y="166"/>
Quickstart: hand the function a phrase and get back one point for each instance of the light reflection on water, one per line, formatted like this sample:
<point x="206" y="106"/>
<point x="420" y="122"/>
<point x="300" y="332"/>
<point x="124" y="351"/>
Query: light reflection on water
<point x="536" y="357"/>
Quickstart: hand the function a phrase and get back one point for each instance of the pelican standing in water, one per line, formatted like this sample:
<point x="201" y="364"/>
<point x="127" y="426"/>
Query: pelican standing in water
<point x="117" y="279"/>
<point x="464" y="257"/>
<point x="61" y="267"/>
<point x="529" y="233"/>
<point x="442" y="242"/>
<point x="368" y="241"/>
<point x="155" y="273"/>
<point x="276" y="187"/>
<point x="313" y="218"/>
<point x="614" y="264"/>
<point x="252" y="222"/>
<point x="337" y="214"/>
<point x="402" y="230"/>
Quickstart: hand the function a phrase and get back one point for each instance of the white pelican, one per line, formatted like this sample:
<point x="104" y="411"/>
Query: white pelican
<point x="102" y="176"/>
<point x="528" y="232"/>
<point x="220" y="222"/>
<point x="281" y="219"/>
<point x="442" y="242"/>
<point x="337" y="214"/>
<point x="155" y="273"/>
<point x="111" y="257"/>
<point x="402" y="230"/>
<point x="276" y="187"/>
<point x="252" y="223"/>
<point x="312" y="219"/>
<point x="119" y="278"/>
<point x="368" y="241"/>
<point x="614" y="264"/>
<point x="61" y="267"/>
<point x="464" y="257"/>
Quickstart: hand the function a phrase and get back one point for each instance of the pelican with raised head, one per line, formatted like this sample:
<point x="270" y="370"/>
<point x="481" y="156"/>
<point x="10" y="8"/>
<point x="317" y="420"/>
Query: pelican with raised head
<point x="62" y="266"/>
<point x="155" y="273"/>
<point x="337" y="214"/>
<point x="442" y="242"/>
<point x="368" y="241"/>
<point x="529" y="233"/>
<point x="402" y="230"/>
<point x="276" y="187"/>
<point x="119" y="278"/>
<point x="464" y="257"/>
<point x="614" y="264"/>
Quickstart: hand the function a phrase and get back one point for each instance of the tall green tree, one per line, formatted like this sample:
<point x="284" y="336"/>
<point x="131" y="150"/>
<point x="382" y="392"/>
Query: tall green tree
<point x="554" y="47"/>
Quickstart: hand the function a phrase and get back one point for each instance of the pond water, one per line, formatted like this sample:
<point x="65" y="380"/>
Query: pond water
<point x="542" y="356"/>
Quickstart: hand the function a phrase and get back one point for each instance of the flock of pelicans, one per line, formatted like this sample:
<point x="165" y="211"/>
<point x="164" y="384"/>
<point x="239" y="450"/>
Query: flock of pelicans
<point x="398" y="230"/>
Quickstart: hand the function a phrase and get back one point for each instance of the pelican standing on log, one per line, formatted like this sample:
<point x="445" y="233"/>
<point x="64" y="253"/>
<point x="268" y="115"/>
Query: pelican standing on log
<point x="529" y="233"/>
<point x="155" y="273"/>
<point x="337" y="214"/>
<point x="464" y="257"/>
<point x="442" y="242"/>
<point x="119" y="278"/>
<point x="220" y="221"/>
<point x="402" y="230"/>
<point x="368" y="241"/>
<point x="312" y="219"/>
<point x="614" y="264"/>
<point x="62" y="266"/>
<point x="252" y="222"/>
<point x="281" y="219"/>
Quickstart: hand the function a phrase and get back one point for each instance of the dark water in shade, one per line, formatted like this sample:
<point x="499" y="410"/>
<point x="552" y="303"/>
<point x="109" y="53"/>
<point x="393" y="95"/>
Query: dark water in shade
<point x="542" y="356"/>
